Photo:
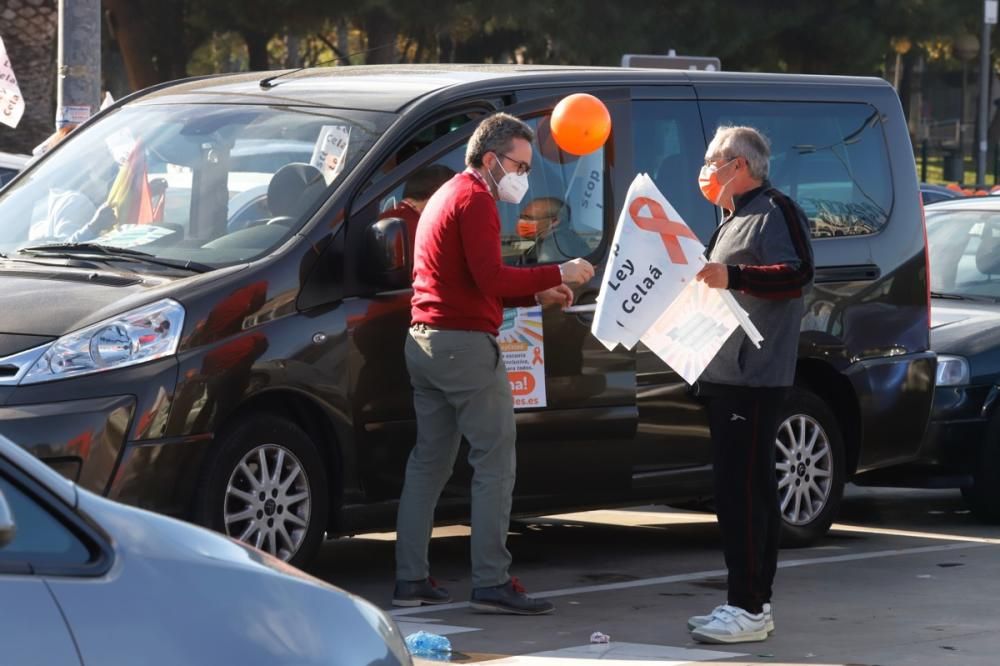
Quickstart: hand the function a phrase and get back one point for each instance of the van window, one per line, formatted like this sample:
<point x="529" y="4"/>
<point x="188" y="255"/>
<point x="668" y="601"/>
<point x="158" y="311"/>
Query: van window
<point x="829" y="157"/>
<point x="669" y="145"/>
<point x="561" y="216"/>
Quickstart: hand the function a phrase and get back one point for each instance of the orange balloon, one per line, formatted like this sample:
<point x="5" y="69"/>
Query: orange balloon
<point x="547" y="145"/>
<point x="580" y="124"/>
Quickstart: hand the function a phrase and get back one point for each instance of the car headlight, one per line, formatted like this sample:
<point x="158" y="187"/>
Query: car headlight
<point x="140" y="335"/>
<point x="952" y="371"/>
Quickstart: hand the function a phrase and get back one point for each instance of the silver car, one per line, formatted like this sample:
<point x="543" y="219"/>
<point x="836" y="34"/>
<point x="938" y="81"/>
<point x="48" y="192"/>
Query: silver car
<point x="85" y="580"/>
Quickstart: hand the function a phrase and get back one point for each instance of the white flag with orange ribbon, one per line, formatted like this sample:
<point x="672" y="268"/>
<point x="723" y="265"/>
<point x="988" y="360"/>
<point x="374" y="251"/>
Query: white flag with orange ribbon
<point x="11" y="101"/>
<point x="654" y="255"/>
<point x="649" y="292"/>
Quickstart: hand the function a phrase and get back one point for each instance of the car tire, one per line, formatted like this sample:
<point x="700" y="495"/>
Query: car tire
<point x="282" y="511"/>
<point x="809" y="461"/>
<point x="983" y="496"/>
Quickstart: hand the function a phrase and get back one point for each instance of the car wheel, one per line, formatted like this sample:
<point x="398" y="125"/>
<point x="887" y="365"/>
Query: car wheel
<point x="810" y="466"/>
<point x="983" y="496"/>
<point x="267" y="487"/>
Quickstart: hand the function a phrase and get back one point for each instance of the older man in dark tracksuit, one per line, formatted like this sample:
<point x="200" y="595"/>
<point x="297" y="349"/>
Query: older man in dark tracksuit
<point x="761" y="252"/>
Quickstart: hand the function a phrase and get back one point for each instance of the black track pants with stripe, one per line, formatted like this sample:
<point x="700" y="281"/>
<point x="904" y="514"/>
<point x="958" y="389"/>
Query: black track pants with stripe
<point x="744" y="424"/>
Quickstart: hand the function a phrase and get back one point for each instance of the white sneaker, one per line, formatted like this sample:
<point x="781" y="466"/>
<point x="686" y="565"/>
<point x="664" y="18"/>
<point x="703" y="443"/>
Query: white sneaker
<point x="696" y="621"/>
<point x="730" y="624"/>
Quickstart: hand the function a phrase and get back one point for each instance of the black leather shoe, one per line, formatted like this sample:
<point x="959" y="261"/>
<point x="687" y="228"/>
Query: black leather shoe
<point x="508" y="598"/>
<point x="411" y="593"/>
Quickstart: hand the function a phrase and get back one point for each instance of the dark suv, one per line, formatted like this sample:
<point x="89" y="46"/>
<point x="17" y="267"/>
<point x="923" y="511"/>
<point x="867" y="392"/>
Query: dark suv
<point x="194" y="323"/>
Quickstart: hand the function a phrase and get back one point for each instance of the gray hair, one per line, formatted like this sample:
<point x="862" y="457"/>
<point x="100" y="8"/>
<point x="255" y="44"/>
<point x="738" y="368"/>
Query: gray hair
<point x="495" y="135"/>
<point x="745" y="142"/>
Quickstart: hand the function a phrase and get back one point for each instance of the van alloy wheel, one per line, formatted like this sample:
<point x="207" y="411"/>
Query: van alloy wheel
<point x="267" y="502"/>
<point x="804" y="462"/>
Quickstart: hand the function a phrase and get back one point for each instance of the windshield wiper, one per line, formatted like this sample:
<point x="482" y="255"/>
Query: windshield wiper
<point x="954" y="297"/>
<point x="69" y="250"/>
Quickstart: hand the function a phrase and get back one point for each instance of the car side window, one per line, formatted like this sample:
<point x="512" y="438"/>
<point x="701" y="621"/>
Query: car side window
<point x="562" y="215"/>
<point x="41" y="537"/>
<point x="831" y="158"/>
<point x="669" y="145"/>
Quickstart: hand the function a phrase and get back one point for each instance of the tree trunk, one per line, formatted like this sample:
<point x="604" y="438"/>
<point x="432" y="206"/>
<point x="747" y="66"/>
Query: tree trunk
<point x="381" y="31"/>
<point x="343" y="42"/>
<point x="134" y="40"/>
<point x="257" y="50"/>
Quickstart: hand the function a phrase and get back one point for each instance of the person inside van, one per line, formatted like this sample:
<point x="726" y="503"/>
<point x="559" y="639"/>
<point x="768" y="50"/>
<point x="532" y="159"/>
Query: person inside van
<point x="546" y="221"/>
<point x="761" y="253"/>
<point x="460" y="385"/>
<point x="418" y="189"/>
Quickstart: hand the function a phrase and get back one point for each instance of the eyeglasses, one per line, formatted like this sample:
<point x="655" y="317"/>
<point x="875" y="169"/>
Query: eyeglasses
<point x="723" y="160"/>
<point x="538" y="218"/>
<point x="523" y="168"/>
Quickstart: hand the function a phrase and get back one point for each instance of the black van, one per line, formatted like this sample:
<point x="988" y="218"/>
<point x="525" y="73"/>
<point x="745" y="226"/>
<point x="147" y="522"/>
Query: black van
<point x="205" y="293"/>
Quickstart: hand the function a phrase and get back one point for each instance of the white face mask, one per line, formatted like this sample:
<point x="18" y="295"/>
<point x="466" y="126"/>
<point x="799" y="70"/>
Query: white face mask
<point x="512" y="186"/>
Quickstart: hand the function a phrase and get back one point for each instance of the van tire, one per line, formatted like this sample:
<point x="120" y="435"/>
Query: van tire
<point x="284" y="514"/>
<point x="811" y="482"/>
<point x="983" y="496"/>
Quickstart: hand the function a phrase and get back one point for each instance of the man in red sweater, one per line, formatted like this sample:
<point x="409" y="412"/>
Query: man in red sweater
<point x="460" y="386"/>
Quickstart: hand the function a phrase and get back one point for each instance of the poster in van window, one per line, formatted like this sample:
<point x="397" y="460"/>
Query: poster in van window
<point x="585" y="194"/>
<point x="121" y="144"/>
<point x="331" y="150"/>
<point x="522" y="344"/>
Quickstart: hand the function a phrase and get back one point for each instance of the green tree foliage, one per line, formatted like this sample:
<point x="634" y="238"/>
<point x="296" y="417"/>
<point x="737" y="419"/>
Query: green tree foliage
<point x="831" y="37"/>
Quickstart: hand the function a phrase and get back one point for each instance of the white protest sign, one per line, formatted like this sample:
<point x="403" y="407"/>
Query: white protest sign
<point x="522" y="343"/>
<point x="331" y="150"/>
<point x="681" y="320"/>
<point x="693" y="329"/>
<point x="654" y="254"/>
<point x="11" y="102"/>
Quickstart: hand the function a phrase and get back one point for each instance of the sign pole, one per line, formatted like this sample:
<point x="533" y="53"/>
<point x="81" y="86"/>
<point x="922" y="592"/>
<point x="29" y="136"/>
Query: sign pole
<point x="985" y="71"/>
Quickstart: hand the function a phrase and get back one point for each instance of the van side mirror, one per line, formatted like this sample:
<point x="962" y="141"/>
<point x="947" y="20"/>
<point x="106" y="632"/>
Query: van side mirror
<point x="8" y="529"/>
<point x="388" y="253"/>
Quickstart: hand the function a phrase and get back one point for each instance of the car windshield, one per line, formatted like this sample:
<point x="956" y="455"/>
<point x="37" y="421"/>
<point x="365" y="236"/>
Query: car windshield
<point x="964" y="248"/>
<point x="185" y="185"/>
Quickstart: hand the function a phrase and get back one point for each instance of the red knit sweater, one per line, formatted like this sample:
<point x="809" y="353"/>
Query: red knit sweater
<point x="459" y="279"/>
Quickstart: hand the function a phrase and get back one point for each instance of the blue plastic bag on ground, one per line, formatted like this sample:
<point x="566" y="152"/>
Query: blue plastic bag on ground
<point x="429" y="646"/>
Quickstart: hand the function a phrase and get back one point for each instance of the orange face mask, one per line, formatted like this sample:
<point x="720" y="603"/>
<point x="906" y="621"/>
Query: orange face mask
<point x="527" y="228"/>
<point x="708" y="181"/>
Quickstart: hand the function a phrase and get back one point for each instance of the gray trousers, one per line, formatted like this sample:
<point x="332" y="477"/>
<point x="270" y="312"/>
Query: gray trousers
<point x="460" y="387"/>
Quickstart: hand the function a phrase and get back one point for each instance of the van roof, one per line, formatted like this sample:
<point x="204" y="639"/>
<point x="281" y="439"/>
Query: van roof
<point x="393" y="87"/>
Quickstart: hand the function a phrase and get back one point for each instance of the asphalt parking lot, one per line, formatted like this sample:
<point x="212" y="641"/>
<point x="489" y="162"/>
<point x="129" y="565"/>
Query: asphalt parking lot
<point x="905" y="577"/>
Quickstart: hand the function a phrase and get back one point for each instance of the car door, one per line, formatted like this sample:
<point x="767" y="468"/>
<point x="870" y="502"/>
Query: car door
<point x="576" y="420"/>
<point x="672" y="447"/>
<point x="32" y="628"/>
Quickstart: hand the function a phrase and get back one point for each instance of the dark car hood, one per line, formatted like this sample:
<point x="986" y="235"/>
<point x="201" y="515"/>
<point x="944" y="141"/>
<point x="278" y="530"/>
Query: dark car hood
<point x="40" y="301"/>
<point x="964" y="327"/>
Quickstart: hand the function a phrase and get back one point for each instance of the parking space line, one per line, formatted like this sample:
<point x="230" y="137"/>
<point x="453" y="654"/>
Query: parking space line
<point x="715" y="573"/>
<point x="407" y="627"/>
<point x="887" y="531"/>
<point x="617" y="653"/>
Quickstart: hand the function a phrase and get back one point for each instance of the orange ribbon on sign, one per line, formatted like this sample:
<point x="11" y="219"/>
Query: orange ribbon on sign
<point x="658" y="222"/>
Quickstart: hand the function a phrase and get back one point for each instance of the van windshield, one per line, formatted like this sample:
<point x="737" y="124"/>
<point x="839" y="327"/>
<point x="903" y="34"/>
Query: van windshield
<point x="192" y="184"/>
